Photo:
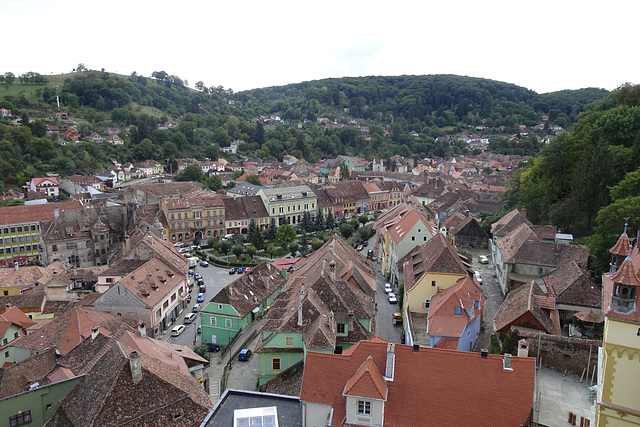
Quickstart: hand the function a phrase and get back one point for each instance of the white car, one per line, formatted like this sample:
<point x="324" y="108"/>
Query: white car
<point x="392" y="298"/>
<point x="387" y="288"/>
<point x="478" y="277"/>
<point x="189" y="318"/>
<point x="177" y="330"/>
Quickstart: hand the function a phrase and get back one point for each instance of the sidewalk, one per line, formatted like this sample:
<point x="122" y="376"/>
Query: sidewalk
<point x="219" y="360"/>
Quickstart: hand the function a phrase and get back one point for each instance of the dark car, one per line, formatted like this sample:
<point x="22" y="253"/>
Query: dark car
<point x="232" y="271"/>
<point x="213" y="347"/>
<point x="240" y="270"/>
<point x="203" y="288"/>
<point x="365" y="243"/>
<point x="244" y="355"/>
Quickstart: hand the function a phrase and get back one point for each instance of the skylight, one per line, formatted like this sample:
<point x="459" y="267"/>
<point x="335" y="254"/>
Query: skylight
<point x="256" y="417"/>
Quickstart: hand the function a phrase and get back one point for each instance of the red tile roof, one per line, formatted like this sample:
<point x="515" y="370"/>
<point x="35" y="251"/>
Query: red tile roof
<point x="442" y="319"/>
<point x="437" y="382"/>
<point x="33" y="213"/>
<point x="367" y="382"/>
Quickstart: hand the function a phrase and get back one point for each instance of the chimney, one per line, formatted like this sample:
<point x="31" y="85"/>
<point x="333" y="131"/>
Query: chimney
<point x="484" y="353"/>
<point x="332" y="270"/>
<point x="56" y="212"/>
<point x="300" y="314"/>
<point x="136" y="366"/>
<point x="251" y="276"/>
<point x="507" y="361"/>
<point x="331" y="320"/>
<point x="16" y="267"/>
<point x="523" y="348"/>
<point x="391" y="361"/>
<point x="523" y="211"/>
<point x="150" y="238"/>
<point x="416" y="347"/>
<point x="94" y="332"/>
<point x="141" y="329"/>
<point x="265" y="280"/>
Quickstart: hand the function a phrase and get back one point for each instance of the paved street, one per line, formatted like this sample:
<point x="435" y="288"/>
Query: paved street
<point x="215" y="278"/>
<point x="384" y="316"/>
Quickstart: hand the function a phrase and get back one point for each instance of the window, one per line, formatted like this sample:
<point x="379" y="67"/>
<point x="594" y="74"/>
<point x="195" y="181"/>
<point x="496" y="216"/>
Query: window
<point x="364" y="408"/>
<point x="341" y="329"/>
<point x="228" y="323"/>
<point x="427" y="303"/>
<point x="433" y="283"/>
<point x="457" y="311"/>
<point x="21" y="419"/>
<point x="165" y="305"/>
<point x="72" y="246"/>
<point x="158" y="314"/>
<point x="413" y="238"/>
<point x="54" y="248"/>
<point x="289" y="341"/>
<point x="214" y="321"/>
<point x="275" y="363"/>
<point x="6" y="353"/>
<point x="173" y="297"/>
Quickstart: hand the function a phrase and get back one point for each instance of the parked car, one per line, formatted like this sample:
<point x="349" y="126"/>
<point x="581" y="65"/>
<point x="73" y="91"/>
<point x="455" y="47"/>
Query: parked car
<point x="177" y="330"/>
<point x="198" y="276"/>
<point x="359" y="248"/>
<point x="240" y="270"/>
<point x="478" y="276"/>
<point x="387" y="288"/>
<point x="191" y="272"/>
<point x="213" y="347"/>
<point x="200" y="282"/>
<point x="232" y="270"/>
<point x="244" y="355"/>
<point x="203" y="288"/>
<point x="397" y="316"/>
<point x="188" y="298"/>
<point x="190" y="317"/>
<point x="247" y="269"/>
<point x="392" y="298"/>
<point x="196" y="308"/>
<point x="482" y="259"/>
<point x="200" y="297"/>
<point x="365" y="243"/>
<point x="204" y="264"/>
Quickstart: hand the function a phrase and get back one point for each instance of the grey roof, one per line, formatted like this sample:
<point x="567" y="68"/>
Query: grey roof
<point x="288" y="193"/>
<point x="288" y="407"/>
<point x="245" y="189"/>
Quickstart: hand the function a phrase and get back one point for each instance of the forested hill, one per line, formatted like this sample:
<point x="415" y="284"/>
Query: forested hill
<point x="161" y="118"/>
<point x="423" y="101"/>
<point x="587" y="181"/>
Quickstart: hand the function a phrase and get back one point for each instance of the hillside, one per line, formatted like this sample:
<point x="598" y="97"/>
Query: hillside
<point x="160" y="118"/>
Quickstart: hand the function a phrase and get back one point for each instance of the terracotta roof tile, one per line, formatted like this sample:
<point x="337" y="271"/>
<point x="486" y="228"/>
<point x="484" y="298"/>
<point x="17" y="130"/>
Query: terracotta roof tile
<point x="442" y="381"/>
<point x="367" y="382"/>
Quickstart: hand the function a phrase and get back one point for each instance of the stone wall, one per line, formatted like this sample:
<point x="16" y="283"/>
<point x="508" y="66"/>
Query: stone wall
<point x="563" y="353"/>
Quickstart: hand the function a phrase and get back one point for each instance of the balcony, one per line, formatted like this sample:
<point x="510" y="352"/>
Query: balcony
<point x="623" y="305"/>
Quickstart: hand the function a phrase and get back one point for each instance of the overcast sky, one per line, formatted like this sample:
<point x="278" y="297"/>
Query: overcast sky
<point x="541" y="45"/>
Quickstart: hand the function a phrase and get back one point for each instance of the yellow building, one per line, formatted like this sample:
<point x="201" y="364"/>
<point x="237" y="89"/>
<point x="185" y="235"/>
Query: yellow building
<point x="196" y="216"/>
<point x="618" y="391"/>
<point x="427" y="269"/>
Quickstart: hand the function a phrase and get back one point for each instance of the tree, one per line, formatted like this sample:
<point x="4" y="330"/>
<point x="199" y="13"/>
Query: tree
<point x="253" y="227"/>
<point x="306" y="223"/>
<point x="214" y="182"/>
<point x="270" y="235"/>
<point x="346" y="230"/>
<point x="344" y="172"/>
<point x="316" y="244"/>
<point x="225" y="246"/>
<point x="199" y="85"/>
<point x="237" y="250"/>
<point x="81" y="67"/>
<point x="363" y="219"/>
<point x="319" y="221"/>
<point x="286" y="233"/>
<point x="271" y="250"/>
<point x="251" y="250"/>
<point x="303" y="244"/>
<point x="330" y="222"/>
<point x="253" y="179"/>
<point x="192" y="172"/>
<point x="293" y="249"/>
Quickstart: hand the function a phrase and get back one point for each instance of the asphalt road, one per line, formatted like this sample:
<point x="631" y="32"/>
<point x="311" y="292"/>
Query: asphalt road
<point x="215" y="278"/>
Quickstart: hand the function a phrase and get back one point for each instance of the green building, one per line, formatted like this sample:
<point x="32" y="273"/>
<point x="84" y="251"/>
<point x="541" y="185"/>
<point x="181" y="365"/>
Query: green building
<point x="327" y="305"/>
<point x="240" y="303"/>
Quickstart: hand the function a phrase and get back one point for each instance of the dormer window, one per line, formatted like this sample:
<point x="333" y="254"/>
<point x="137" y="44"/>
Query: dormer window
<point x="364" y="407"/>
<point x="457" y="311"/>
